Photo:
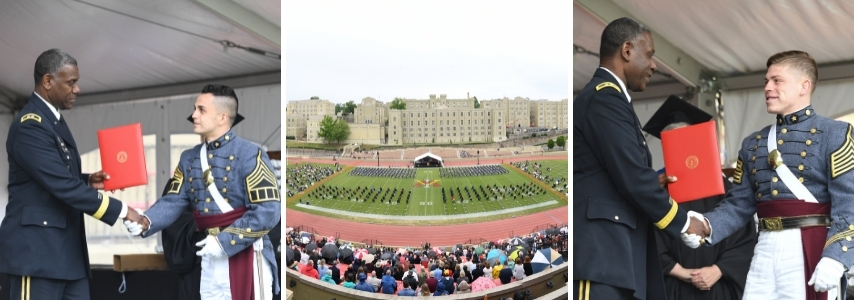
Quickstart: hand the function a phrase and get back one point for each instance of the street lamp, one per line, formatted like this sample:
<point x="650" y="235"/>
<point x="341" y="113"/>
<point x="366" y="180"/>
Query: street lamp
<point x="478" y="157"/>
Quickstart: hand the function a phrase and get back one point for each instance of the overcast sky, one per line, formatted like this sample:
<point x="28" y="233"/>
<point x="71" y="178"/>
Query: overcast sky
<point x="348" y="50"/>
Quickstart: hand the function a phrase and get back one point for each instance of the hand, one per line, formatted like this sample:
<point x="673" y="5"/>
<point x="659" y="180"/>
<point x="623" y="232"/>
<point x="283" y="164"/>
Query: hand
<point x="210" y="247"/>
<point x="697" y="225"/>
<point x="691" y="240"/>
<point x="681" y="273"/>
<point x="826" y="275"/>
<point x="133" y="227"/>
<point x="96" y="180"/>
<point x="663" y="179"/>
<point x="704" y="278"/>
<point x="135" y="216"/>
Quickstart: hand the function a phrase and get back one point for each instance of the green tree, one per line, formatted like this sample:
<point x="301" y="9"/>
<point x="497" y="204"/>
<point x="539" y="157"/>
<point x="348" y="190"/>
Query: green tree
<point x="327" y="128"/>
<point x="349" y="107"/>
<point x="397" y="103"/>
<point x="476" y="103"/>
<point x="561" y="141"/>
<point x="333" y="130"/>
<point x="551" y="144"/>
<point x="341" y="132"/>
<point x="314" y="98"/>
<point x="338" y="108"/>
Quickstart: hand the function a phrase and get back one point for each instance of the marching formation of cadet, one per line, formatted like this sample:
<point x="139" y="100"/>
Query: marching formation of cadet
<point x="384" y="172"/>
<point x="472" y="171"/>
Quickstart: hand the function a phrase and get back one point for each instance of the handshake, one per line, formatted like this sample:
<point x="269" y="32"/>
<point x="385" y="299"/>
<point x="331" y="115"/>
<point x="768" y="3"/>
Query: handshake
<point x="136" y="222"/>
<point x="698" y="230"/>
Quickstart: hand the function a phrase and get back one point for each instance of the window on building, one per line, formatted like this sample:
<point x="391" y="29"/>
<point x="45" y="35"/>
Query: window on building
<point x="434" y="123"/>
<point x="455" y="114"/>
<point x="411" y="123"/>
<point x="419" y="123"/>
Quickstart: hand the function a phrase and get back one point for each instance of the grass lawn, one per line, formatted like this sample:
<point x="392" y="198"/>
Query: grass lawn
<point x="426" y="200"/>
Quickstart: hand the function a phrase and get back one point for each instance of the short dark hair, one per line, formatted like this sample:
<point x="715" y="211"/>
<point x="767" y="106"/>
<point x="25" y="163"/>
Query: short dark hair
<point x="798" y="60"/>
<point x="618" y="32"/>
<point x="224" y="97"/>
<point x="50" y="62"/>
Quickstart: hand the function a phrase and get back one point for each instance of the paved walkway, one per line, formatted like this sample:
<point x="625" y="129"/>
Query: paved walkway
<point x="427" y="218"/>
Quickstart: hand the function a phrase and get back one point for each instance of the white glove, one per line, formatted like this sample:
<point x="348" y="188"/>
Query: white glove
<point x="691" y="240"/>
<point x="134" y="228"/>
<point x="826" y="275"/>
<point x="210" y="246"/>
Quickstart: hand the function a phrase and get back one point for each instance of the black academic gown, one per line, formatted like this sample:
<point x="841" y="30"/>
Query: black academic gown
<point x="732" y="256"/>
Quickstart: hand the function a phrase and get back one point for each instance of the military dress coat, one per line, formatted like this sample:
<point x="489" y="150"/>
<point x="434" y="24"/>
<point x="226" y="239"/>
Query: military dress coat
<point x="243" y="175"/>
<point x="43" y="234"/>
<point x="617" y="200"/>
<point x="820" y="153"/>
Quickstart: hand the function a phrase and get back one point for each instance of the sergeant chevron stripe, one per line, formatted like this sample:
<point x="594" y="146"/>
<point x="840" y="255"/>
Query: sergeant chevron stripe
<point x="261" y="183"/>
<point x="842" y="160"/>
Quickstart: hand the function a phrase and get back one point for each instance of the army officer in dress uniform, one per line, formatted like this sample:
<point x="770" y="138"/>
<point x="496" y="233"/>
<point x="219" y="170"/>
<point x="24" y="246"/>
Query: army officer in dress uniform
<point x="42" y="237"/>
<point x="796" y="175"/>
<point x="231" y="186"/>
<point x="617" y="200"/>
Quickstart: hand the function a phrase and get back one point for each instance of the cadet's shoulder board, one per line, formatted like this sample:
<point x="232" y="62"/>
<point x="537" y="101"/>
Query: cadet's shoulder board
<point x="607" y="84"/>
<point x="739" y="171"/>
<point x="842" y="160"/>
<point x="31" y="116"/>
<point x="177" y="180"/>
<point x="261" y="183"/>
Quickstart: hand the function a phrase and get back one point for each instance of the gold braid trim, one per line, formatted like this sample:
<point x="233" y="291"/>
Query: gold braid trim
<point x="177" y="180"/>
<point x="253" y="234"/>
<point x="838" y="236"/>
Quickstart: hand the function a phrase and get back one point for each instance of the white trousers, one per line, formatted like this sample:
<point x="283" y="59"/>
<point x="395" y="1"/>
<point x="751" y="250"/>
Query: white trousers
<point x="777" y="268"/>
<point x="216" y="284"/>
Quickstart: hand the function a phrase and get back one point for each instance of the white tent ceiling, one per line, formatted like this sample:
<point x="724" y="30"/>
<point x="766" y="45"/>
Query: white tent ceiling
<point x="729" y="39"/>
<point x="129" y="50"/>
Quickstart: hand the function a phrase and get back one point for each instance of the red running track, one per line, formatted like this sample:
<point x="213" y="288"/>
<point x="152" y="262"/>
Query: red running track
<point x="440" y="235"/>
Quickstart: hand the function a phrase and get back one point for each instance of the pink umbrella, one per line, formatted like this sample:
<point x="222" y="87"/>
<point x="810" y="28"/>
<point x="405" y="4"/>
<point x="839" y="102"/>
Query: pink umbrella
<point x="482" y="283"/>
<point x="402" y="250"/>
<point x="439" y="250"/>
<point x="360" y="253"/>
<point x="330" y="240"/>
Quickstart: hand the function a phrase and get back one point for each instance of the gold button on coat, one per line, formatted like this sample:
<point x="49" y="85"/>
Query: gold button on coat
<point x="207" y="199"/>
<point x="223" y="190"/>
<point x="231" y="157"/>
<point x="784" y="130"/>
<point x="774" y="179"/>
<point x="758" y="136"/>
<point x="248" y="229"/>
<point x="616" y="217"/>
<point x="779" y="142"/>
<point x="812" y="130"/>
<point x="774" y="193"/>
<point x="240" y="236"/>
<point x="233" y="242"/>
<point x="206" y="210"/>
<point x="210" y="155"/>
<point x="801" y="167"/>
<point x="809" y="142"/>
<point x="803" y="154"/>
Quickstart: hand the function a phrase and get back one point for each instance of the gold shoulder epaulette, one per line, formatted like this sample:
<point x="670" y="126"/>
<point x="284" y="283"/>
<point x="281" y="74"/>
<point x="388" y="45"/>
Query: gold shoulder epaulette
<point x="607" y="84"/>
<point x="31" y="116"/>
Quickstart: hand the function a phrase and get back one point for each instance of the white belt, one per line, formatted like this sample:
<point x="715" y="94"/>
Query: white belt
<point x="210" y="183"/>
<point x="783" y="171"/>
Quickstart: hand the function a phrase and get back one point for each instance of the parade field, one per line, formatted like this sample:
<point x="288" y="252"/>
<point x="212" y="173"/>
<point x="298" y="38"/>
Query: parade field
<point x="422" y="195"/>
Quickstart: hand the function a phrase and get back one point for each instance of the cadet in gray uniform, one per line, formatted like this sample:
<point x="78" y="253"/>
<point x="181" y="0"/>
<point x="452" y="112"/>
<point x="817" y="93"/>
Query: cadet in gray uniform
<point x="795" y="174"/>
<point x="235" y="197"/>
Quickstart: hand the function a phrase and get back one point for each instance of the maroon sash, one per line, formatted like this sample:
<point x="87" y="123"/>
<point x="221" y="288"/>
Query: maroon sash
<point x="240" y="264"/>
<point x="813" y="238"/>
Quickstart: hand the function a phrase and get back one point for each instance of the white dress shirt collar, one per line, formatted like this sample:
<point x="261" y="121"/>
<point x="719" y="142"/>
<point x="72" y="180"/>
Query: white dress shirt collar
<point x="620" y="82"/>
<point x="53" y="108"/>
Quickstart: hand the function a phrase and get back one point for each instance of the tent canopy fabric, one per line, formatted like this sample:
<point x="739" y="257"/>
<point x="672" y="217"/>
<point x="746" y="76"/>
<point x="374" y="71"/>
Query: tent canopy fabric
<point x="428" y="155"/>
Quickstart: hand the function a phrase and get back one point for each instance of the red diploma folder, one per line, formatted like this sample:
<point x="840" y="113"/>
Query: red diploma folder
<point x="691" y="154"/>
<point x="123" y="156"/>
